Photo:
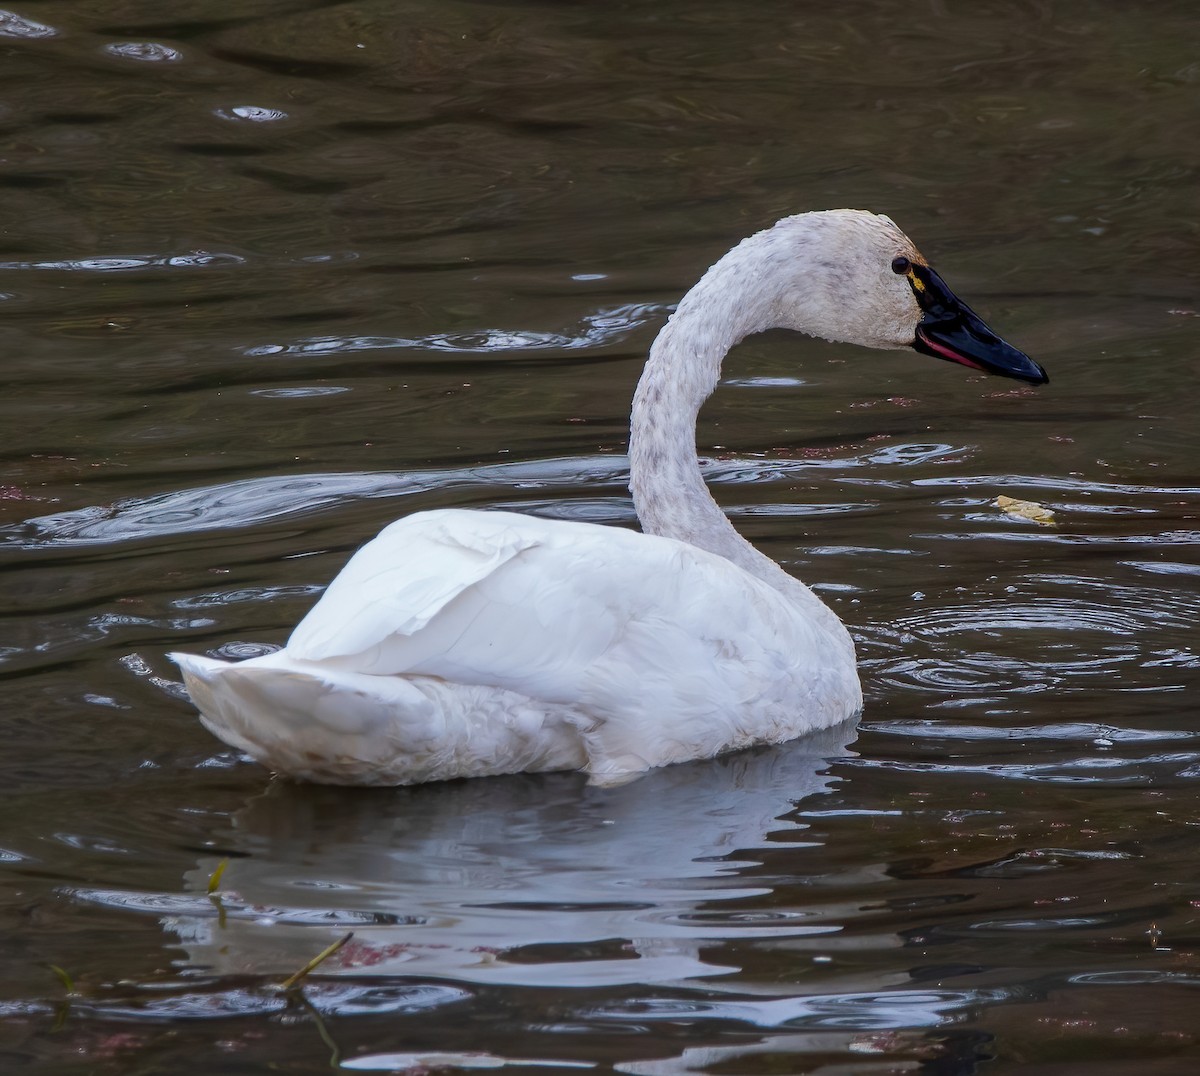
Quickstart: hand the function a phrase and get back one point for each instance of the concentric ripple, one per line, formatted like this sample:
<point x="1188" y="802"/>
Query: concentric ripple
<point x="1049" y="632"/>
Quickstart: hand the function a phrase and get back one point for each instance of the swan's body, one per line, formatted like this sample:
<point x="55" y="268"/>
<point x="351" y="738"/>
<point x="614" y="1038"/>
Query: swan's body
<point x="468" y="643"/>
<point x="460" y="644"/>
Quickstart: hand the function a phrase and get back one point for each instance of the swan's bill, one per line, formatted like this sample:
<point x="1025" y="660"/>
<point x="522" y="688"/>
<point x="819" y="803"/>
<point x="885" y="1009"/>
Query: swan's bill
<point x="951" y="330"/>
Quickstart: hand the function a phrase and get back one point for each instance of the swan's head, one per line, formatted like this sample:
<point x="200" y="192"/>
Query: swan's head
<point x="852" y="276"/>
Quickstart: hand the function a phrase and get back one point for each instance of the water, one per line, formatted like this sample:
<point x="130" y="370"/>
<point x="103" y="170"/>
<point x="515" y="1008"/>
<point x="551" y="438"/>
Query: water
<point x="274" y="274"/>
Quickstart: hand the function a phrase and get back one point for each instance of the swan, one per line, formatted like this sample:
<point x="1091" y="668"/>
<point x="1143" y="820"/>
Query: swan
<point x="471" y="643"/>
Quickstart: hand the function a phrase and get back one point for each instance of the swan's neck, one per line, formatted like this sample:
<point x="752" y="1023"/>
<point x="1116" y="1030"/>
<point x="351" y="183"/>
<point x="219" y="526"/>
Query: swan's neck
<point x="730" y="302"/>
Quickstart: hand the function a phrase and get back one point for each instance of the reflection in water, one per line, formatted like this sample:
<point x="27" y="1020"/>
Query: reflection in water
<point x="539" y="880"/>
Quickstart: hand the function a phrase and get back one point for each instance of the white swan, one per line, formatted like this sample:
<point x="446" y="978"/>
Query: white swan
<point x="461" y="644"/>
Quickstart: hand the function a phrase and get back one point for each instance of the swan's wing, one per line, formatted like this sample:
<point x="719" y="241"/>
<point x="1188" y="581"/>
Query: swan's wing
<point x="491" y="598"/>
<point x="660" y="642"/>
<point x="398" y="582"/>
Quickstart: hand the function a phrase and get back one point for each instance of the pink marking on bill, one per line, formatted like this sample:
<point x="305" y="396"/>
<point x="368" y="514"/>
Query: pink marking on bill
<point x="948" y="353"/>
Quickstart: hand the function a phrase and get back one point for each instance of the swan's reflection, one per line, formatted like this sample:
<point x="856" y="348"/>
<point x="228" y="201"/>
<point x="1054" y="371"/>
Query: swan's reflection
<point x="539" y="880"/>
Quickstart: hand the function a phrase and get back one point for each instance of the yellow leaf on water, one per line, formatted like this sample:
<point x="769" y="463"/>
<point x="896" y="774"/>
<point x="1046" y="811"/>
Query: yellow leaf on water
<point x="1025" y="510"/>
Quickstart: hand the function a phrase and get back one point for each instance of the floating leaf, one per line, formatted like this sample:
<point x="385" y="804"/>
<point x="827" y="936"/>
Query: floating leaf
<point x="1030" y="510"/>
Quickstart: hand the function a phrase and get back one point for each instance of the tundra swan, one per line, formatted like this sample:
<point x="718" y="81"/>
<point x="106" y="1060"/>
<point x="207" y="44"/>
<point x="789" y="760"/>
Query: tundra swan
<point x="468" y="643"/>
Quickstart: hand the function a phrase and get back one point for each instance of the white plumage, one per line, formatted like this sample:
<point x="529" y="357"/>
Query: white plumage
<point x="469" y="643"/>
<point x="460" y="644"/>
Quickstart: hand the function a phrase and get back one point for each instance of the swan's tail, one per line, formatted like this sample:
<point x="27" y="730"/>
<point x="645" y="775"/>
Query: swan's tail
<point x="319" y="723"/>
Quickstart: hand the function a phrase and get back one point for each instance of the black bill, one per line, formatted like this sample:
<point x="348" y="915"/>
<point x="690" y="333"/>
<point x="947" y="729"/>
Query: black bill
<point x="951" y="330"/>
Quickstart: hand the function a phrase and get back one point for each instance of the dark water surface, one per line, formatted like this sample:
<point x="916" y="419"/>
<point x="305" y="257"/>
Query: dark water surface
<point x="274" y="273"/>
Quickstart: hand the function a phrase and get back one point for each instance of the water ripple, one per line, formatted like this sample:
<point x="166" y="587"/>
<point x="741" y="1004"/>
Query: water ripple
<point x="1087" y="486"/>
<point x="1077" y="732"/>
<point x="243" y="503"/>
<point x="239" y="651"/>
<point x="144" y="51"/>
<point x="123" y="262"/>
<point x="449" y="1060"/>
<point x="1084" y="631"/>
<point x="227" y="905"/>
<point x="873" y="1011"/>
<point x="214" y="599"/>
<point x="603" y="327"/>
<point x="1062" y="922"/>
<point x="1163" y="567"/>
<point x="254" y="501"/>
<point x="1091" y="770"/>
<point x="251" y="114"/>
<point x="14" y="25"/>
<point x="1133" y="977"/>
<point x="55" y="637"/>
<point x="300" y="392"/>
<point x="343" y="999"/>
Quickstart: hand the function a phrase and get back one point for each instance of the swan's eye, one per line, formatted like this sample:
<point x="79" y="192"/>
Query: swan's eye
<point x="901" y="265"/>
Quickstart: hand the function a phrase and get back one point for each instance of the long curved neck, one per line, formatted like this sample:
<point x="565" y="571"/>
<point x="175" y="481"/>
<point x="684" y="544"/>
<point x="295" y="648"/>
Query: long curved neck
<point x="730" y="302"/>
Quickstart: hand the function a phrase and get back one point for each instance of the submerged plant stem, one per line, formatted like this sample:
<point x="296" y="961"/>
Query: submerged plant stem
<point x="316" y="961"/>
